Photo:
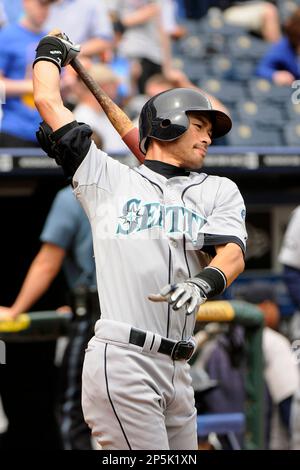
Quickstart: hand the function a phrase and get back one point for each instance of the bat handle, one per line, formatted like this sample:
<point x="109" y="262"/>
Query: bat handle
<point x="131" y="139"/>
<point x="88" y="80"/>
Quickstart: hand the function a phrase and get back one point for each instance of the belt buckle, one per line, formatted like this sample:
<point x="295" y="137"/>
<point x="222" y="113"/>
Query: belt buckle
<point x="182" y="350"/>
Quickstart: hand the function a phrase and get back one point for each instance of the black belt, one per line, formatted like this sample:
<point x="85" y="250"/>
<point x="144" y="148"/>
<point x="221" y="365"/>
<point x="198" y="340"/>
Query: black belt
<point x="177" y="350"/>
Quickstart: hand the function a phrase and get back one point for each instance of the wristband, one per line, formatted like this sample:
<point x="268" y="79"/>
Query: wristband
<point x="50" y="49"/>
<point x="211" y="281"/>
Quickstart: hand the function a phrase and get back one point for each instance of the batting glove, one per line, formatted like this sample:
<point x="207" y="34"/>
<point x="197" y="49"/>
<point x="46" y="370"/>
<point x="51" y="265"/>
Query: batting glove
<point x="57" y="49"/>
<point x="184" y="294"/>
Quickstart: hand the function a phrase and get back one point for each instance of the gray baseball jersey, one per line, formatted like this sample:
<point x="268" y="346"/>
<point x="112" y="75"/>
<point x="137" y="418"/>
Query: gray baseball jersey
<point x="290" y="250"/>
<point x="148" y="231"/>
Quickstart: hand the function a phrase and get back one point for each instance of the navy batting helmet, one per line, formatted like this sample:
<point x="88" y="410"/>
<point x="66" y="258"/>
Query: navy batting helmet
<point x="164" y="117"/>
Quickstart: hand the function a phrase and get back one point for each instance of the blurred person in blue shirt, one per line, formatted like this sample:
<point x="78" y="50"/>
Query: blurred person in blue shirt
<point x="17" y="50"/>
<point x="66" y="243"/>
<point x="13" y="10"/>
<point x="86" y="22"/>
<point x="281" y="64"/>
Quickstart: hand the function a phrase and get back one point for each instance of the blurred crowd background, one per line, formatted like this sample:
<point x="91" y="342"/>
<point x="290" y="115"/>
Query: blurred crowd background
<point x="244" y="53"/>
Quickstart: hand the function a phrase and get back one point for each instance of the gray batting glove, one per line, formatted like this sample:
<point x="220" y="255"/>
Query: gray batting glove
<point x="184" y="294"/>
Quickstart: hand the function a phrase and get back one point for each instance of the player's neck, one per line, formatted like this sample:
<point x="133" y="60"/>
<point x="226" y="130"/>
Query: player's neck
<point x="158" y="153"/>
<point x="165" y="169"/>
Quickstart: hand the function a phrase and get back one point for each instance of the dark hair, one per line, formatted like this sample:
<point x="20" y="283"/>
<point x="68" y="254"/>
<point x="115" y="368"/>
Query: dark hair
<point x="292" y="28"/>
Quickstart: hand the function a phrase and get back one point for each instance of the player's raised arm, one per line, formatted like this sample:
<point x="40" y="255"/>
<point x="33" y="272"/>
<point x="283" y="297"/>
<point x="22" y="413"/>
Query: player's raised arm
<point x="59" y="135"/>
<point x="52" y="53"/>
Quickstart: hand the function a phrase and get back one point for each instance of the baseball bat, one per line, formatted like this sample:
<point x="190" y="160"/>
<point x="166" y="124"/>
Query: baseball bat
<point x="115" y="114"/>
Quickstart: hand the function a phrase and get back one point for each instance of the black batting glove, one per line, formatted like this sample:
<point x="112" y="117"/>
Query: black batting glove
<point x="56" y="49"/>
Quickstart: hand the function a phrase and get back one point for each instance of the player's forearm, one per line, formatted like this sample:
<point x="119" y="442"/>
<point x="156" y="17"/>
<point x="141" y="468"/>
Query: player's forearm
<point x="47" y="97"/>
<point x="142" y="15"/>
<point x="17" y="87"/>
<point x="230" y="260"/>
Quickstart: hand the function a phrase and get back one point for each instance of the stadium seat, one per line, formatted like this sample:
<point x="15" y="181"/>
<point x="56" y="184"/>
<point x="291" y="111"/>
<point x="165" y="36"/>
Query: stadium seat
<point x="228" y="424"/>
<point x="293" y="111"/>
<point x="259" y="89"/>
<point x="216" y="43"/>
<point x="195" y="70"/>
<point x="227" y="91"/>
<point x="245" y="46"/>
<point x="221" y="67"/>
<point x="261" y="114"/>
<point x="263" y="90"/>
<point x="214" y="23"/>
<point x="243" y="69"/>
<point x="281" y="94"/>
<point x="244" y="134"/>
<point x="193" y="46"/>
<point x="225" y="68"/>
<point x="292" y="133"/>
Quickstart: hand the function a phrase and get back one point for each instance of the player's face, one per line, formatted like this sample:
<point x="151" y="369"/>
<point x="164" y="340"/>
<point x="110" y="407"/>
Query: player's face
<point x="190" y="149"/>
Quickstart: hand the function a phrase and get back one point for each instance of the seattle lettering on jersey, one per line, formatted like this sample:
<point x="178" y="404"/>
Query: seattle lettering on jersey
<point x="172" y="219"/>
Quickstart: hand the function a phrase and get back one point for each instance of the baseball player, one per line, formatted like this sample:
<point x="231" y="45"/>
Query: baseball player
<point x="289" y="256"/>
<point x="164" y="231"/>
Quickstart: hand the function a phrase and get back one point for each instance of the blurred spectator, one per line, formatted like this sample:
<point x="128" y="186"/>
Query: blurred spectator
<point x="280" y="371"/>
<point x="289" y="256"/>
<point x="159" y="82"/>
<point x="121" y="67"/>
<point x="260" y="17"/>
<point x="281" y="64"/>
<point x="86" y="22"/>
<point x="13" y="10"/>
<point x="223" y="358"/>
<point x="66" y="241"/>
<point x="3" y="17"/>
<point x="144" y="41"/>
<point x="88" y="109"/>
<point x="170" y="19"/>
<point x="17" y="51"/>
